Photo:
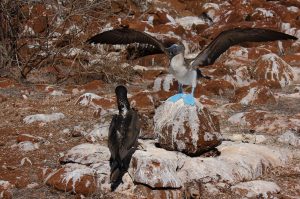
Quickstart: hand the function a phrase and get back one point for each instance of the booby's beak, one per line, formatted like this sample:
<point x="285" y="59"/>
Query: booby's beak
<point x="171" y="50"/>
<point x="175" y="49"/>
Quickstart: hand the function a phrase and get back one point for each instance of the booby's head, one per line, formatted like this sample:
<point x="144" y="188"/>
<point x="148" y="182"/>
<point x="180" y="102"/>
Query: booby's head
<point x="122" y="101"/>
<point x="176" y="49"/>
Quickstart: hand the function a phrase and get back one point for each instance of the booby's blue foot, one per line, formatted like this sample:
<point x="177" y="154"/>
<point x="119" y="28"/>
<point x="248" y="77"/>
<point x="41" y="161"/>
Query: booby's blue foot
<point x="189" y="99"/>
<point x="175" y="98"/>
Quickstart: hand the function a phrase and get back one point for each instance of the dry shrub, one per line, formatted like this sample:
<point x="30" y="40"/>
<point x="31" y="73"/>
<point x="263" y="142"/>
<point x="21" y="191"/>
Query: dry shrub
<point x="45" y="41"/>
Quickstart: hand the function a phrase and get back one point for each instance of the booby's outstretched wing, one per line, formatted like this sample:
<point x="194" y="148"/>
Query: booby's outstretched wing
<point x="129" y="36"/>
<point x="232" y="37"/>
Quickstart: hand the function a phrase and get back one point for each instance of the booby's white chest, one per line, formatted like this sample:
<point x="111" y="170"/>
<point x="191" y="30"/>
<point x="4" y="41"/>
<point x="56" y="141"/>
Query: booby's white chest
<point x="177" y="67"/>
<point x="183" y="74"/>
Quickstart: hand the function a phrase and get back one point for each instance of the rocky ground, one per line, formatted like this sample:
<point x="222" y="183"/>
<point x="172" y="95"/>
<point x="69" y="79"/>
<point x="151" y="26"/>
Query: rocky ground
<point x="54" y="123"/>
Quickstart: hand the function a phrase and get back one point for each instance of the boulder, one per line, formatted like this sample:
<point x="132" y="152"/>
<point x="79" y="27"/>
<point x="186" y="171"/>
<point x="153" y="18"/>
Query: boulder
<point x="99" y="132"/>
<point x="254" y="95"/>
<point x="159" y="169"/>
<point x="86" y="154"/>
<point x="239" y="77"/>
<point x="188" y="129"/>
<point x="75" y="178"/>
<point x="236" y="56"/>
<point x="274" y="71"/>
<point x="43" y="118"/>
<point x="26" y="146"/>
<point x="155" y="167"/>
<point x="238" y="162"/>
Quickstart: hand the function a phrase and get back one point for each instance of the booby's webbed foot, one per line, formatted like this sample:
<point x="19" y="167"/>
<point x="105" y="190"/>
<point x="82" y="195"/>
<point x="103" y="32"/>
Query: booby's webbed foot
<point x="189" y="99"/>
<point x="175" y="98"/>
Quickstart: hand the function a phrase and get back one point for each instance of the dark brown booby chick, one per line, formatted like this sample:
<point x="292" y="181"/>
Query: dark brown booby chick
<point x="122" y="138"/>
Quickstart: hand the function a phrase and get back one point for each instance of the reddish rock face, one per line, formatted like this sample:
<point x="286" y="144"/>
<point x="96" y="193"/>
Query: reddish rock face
<point x="256" y="53"/>
<point x="254" y="94"/>
<point x="143" y="102"/>
<point x="93" y="85"/>
<point x="293" y="60"/>
<point x="76" y="180"/>
<point x="27" y="137"/>
<point x="188" y="129"/>
<point x="215" y="87"/>
<point x="272" y="70"/>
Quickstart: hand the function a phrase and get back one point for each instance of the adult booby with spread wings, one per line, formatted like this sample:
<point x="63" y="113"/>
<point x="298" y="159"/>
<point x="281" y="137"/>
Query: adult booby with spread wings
<point x="122" y="137"/>
<point x="184" y="70"/>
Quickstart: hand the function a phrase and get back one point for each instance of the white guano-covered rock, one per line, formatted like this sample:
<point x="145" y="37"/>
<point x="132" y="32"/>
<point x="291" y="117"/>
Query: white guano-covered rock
<point x="188" y="129"/>
<point x="155" y="167"/>
<point x="75" y="178"/>
<point x="237" y="162"/>
<point x="86" y="154"/>
<point x="43" y="117"/>
<point x="270" y="68"/>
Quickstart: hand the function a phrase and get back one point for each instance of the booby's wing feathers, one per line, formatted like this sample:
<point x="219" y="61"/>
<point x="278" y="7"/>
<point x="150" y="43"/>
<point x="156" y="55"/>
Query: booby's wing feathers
<point x="112" y="138"/>
<point x="127" y="36"/>
<point x="131" y="134"/>
<point x="232" y="37"/>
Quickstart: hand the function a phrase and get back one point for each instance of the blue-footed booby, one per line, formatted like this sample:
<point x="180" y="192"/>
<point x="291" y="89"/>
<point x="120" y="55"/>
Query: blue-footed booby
<point x="122" y="137"/>
<point x="185" y="70"/>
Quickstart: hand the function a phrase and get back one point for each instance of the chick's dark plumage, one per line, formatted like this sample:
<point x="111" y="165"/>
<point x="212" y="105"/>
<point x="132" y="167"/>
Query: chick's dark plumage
<point x="123" y="133"/>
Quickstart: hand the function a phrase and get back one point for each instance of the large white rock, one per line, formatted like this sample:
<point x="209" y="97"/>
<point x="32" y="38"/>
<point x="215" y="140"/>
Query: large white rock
<point x="86" y="154"/>
<point x="188" y="129"/>
<point x="237" y="162"/>
<point x="43" y="117"/>
<point x="155" y="167"/>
